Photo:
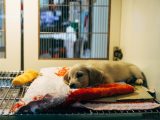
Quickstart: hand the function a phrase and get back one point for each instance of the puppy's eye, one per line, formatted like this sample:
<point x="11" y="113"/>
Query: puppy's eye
<point x="79" y="74"/>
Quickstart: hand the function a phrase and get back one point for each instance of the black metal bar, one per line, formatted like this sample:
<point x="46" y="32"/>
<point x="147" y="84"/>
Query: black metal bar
<point x="90" y="24"/>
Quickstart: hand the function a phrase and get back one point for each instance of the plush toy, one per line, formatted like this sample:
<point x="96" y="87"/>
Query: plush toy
<point x="27" y="76"/>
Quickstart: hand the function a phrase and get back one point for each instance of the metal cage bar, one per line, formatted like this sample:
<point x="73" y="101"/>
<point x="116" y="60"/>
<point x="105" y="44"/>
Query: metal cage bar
<point x="2" y="30"/>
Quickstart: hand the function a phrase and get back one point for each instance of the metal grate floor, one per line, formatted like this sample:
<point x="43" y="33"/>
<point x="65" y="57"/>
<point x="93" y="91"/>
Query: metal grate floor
<point x="9" y="94"/>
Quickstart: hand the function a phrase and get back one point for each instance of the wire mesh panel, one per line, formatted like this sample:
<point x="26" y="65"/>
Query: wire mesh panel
<point x="2" y="30"/>
<point x="73" y="28"/>
<point x="9" y="94"/>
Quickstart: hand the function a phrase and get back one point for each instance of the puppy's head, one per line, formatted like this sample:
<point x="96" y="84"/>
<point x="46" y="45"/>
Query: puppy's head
<point x="81" y="76"/>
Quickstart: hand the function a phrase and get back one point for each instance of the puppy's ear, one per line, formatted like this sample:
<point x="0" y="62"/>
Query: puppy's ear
<point x="95" y="76"/>
<point x="66" y="79"/>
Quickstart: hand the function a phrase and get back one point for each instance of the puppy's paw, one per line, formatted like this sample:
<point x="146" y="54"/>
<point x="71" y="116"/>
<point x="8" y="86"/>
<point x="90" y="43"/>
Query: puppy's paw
<point x="139" y="81"/>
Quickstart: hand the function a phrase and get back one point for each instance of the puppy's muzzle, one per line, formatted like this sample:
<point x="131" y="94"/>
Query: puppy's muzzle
<point x="73" y="86"/>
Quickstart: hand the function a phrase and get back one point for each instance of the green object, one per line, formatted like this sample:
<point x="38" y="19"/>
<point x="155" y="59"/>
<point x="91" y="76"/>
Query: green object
<point x="75" y="26"/>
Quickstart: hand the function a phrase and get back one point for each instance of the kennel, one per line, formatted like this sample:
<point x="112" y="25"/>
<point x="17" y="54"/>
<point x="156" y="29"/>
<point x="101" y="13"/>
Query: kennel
<point x="10" y="94"/>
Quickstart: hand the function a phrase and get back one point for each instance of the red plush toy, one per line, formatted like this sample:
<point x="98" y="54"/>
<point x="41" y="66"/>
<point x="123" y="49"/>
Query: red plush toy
<point x="103" y="90"/>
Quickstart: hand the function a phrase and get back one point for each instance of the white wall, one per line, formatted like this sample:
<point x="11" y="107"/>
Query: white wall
<point x="140" y="37"/>
<point x="13" y="36"/>
<point x="115" y="25"/>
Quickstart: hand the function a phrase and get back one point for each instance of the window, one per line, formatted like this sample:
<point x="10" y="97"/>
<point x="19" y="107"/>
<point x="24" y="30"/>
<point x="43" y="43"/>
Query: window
<point x="2" y="30"/>
<point x="74" y="29"/>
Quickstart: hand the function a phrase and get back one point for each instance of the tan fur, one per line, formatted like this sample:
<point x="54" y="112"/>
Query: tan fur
<point x="93" y="73"/>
